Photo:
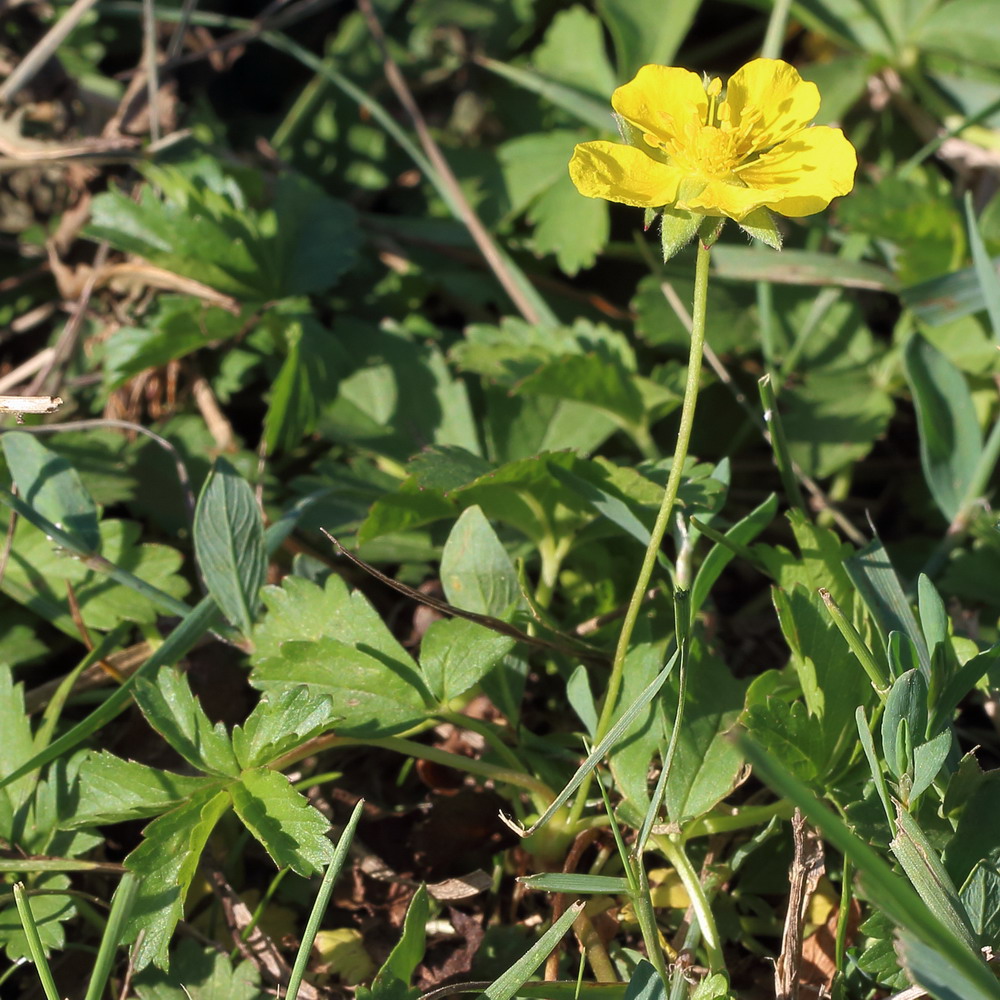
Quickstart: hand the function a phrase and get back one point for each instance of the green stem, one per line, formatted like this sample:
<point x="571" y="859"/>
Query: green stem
<point x="675" y="854"/>
<point x="776" y="25"/>
<point x="669" y="494"/>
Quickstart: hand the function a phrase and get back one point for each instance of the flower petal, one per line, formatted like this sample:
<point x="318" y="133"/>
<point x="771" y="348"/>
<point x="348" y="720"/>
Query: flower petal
<point x="661" y="100"/>
<point x="805" y="173"/>
<point x="624" y="174"/>
<point x="770" y="101"/>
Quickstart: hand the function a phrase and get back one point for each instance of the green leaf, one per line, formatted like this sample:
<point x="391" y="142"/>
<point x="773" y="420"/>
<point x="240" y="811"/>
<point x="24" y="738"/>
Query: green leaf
<point x="456" y="654"/>
<point x="16" y="748"/>
<point x="761" y="226"/>
<point x="166" y="862"/>
<point x="706" y="763"/>
<point x="203" y="228"/>
<point x="989" y="282"/>
<point x="299" y="610"/>
<point x="572" y="227"/>
<point x="37" y="573"/>
<point x="181" y="325"/>
<point x="292" y="831"/>
<point x="280" y="723"/>
<point x="951" y="442"/>
<point x="370" y="696"/>
<point x="229" y="543"/>
<point x="788" y="733"/>
<point x="52" y="486"/>
<point x="572" y="882"/>
<point x="308" y="376"/>
<point x="646" y="983"/>
<point x="939" y="974"/>
<point x="677" y="229"/>
<point x="872" y="573"/>
<point x="596" y="379"/>
<point x="923" y="868"/>
<point x="573" y="52"/>
<point x="476" y="571"/>
<point x="906" y="702"/>
<point x="799" y="267"/>
<point x="928" y="759"/>
<point x="641" y="32"/>
<point x="174" y="712"/>
<point x="112" y="790"/>
<point x="50" y="913"/>
<point x="200" y="973"/>
<point x="964" y="29"/>
<point x="981" y="899"/>
<point x="392" y="981"/>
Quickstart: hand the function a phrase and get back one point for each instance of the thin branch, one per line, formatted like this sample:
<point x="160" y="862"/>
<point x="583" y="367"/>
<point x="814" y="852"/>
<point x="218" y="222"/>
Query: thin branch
<point x="433" y="152"/>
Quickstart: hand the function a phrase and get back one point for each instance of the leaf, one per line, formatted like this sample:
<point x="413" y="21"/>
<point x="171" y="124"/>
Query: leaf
<point x="642" y="33"/>
<point x="203" y="228"/>
<point x="112" y="790"/>
<point x="964" y="29"/>
<point x="951" y="442"/>
<point x="706" y="764"/>
<point x="923" y="868"/>
<point x="292" y="831"/>
<point x="280" y="723"/>
<point x="50" y="913"/>
<point x="646" y="983"/>
<point x="788" y="733"/>
<point x="596" y="379"/>
<point x="166" y="862"/>
<point x="574" y="882"/>
<point x="174" y="712"/>
<point x="456" y="654"/>
<point x="981" y="899"/>
<point x="229" y="543"/>
<point x="308" y="376"/>
<point x="476" y="572"/>
<point x="392" y="981"/>
<point x="906" y="702"/>
<point x="370" y="695"/>
<point x="938" y="974"/>
<point x="37" y="572"/>
<point x="575" y="229"/>
<point x="574" y="53"/>
<point x="16" y="748"/>
<point x="928" y="759"/>
<point x="52" y="486"/>
<point x="200" y="973"/>
<point x="299" y="610"/>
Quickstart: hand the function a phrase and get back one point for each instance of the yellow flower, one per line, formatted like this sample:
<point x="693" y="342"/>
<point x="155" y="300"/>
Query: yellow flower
<point x="696" y="152"/>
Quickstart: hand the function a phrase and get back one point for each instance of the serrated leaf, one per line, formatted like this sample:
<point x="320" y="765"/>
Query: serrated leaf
<point x="575" y="229"/>
<point x="369" y="695"/>
<point x="174" y="712"/>
<point x="299" y="610"/>
<point x="456" y="654"/>
<point x="50" y="484"/>
<point x="112" y="790"/>
<point x="229" y="543"/>
<point x="200" y="973"/>
<point x="573" y="52"/>
<point x="292" y="831"/>
<point x="37" y="572"/>
<point x="279" y="723"/>
<point x="166" y="862"/>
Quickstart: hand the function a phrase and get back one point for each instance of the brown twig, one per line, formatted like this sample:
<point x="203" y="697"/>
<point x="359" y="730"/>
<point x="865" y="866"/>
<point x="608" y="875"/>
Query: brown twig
<point x="581" y="652"/>
<point x="803" y="876"/>
<point x="467" y="214"/>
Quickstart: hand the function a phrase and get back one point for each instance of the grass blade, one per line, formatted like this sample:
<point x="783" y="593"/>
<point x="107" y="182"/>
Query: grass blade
<point x="114" y="931"/>
<point x="34" y="942"/>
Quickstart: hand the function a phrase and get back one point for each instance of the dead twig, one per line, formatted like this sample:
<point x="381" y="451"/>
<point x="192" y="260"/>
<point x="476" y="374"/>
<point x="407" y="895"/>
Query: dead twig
<point x="477" y="230"/>
<point x="803" y="876"/>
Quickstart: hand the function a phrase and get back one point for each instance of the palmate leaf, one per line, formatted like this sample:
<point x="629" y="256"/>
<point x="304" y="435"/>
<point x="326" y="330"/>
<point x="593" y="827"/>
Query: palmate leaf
<point x="204" y="227"/>
<point x="280" y="722"/>
<point x="291" y="830"/>
<point x="199" y="973"/>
